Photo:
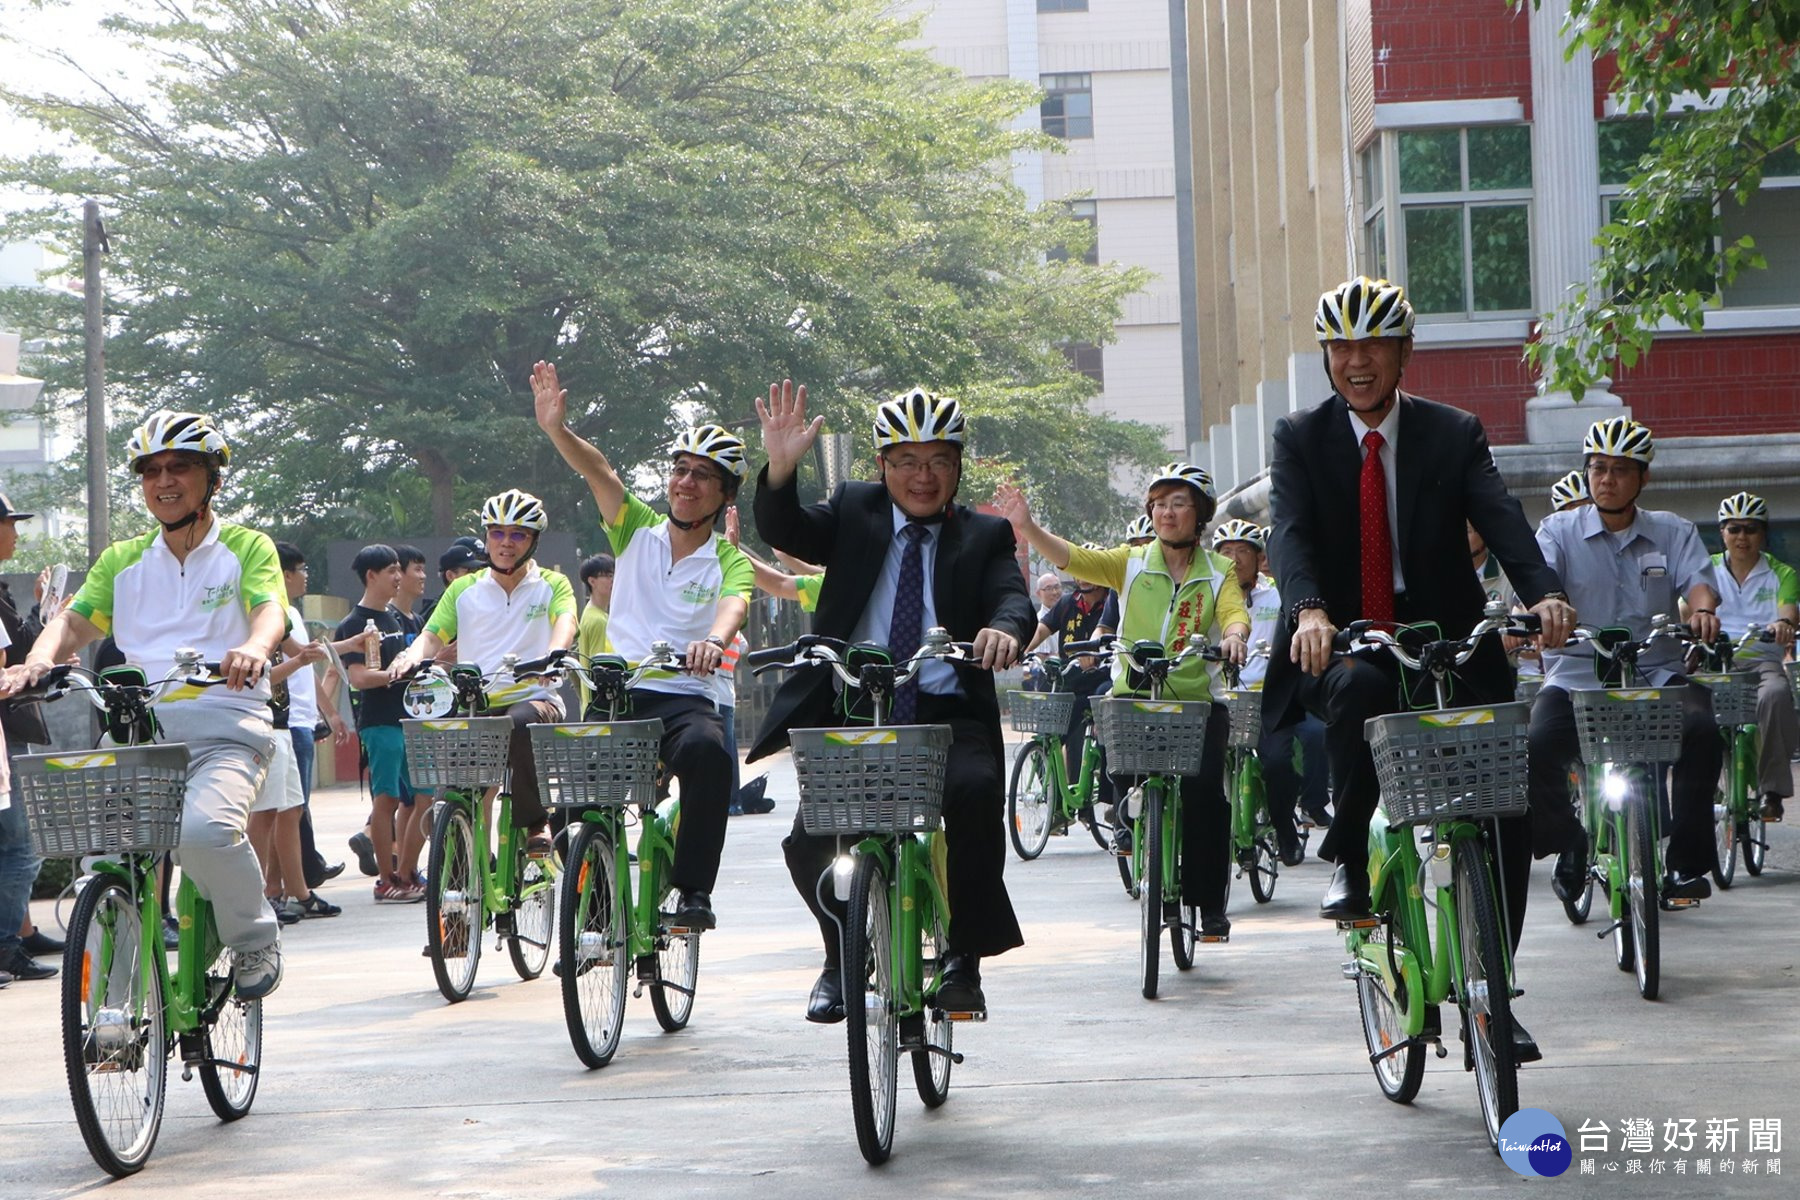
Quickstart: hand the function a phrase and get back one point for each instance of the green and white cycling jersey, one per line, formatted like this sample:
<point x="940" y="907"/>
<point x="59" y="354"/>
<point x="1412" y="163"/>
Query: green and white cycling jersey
<point x="153" y="604"/>
<point x="487" y="623"/>
<point x="656" y="598"/>
<point x="1264" y="603"/>
<point x="1756" y="601"/>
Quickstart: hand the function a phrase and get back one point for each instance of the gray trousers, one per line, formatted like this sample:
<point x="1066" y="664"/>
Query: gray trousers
<point x="1780" y="730"/>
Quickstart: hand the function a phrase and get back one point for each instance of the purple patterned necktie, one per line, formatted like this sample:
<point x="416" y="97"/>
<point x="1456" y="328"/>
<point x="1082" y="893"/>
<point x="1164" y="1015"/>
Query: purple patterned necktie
<point x="907" y="625"/>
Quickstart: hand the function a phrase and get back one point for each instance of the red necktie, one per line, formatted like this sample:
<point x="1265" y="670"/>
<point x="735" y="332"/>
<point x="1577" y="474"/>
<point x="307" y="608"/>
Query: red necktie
<point x="1377" y="543"/>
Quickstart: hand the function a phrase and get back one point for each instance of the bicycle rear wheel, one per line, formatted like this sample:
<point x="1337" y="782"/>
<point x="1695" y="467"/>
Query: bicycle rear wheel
<point x="234" y="1034"/>
<point x="871" y="1023"/>
<point x="1753" y="836"/>
<point x="1262" y="866"/>
<point x="1645" y="910"/>
<point x="1577" y="910"/>
<point x="1150" y="890"/>
<point x="593" y="946"/>
<point x="115" y="1043"/>
<point x="1398" y="1072"/>
<point x="677" y="969"/>
<point x="454" y="901"/>
<point x="1484" y="990"/>
<point x="931" y="1065"/>
<point x="533" y="912"/>
<point x="1029" y="804"/>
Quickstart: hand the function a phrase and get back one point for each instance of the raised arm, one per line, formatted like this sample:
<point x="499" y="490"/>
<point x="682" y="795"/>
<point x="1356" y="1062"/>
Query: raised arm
<point x="1016" y="509"/>
<point x="787" y="434"/>
<point x="552" y="402"/>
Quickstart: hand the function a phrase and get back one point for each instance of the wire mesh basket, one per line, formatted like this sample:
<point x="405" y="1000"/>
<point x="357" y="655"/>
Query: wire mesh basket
<point x="1040" y="712"/>
<point x="1152" y="737"/>
<point x="465" y="753"/>
<point x="1455" y="762"/>
<point x="117" y="800"/>
<point x="1245" y="707"/>
<point x="588" y="764"/>
<point x="866" y="780"/>
<point x="1628" y="725"/>
<point x="1733" y="695"/>
<point x="1527" y="688"/>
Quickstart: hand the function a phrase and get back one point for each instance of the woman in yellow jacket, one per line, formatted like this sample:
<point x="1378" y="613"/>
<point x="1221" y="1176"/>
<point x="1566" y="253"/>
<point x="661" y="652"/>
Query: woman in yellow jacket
<point x="1170" y="589"/>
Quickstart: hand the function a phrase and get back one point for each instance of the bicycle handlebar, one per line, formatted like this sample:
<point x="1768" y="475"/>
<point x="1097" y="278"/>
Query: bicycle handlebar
<point x="1440" y="655"/>
<point x="815" y="650"/>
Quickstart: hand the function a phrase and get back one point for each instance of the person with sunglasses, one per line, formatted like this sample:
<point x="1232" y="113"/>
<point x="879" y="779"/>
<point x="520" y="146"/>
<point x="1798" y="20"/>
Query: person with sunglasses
<point x="1756" y="588"/>
<point x="676" y="579"/>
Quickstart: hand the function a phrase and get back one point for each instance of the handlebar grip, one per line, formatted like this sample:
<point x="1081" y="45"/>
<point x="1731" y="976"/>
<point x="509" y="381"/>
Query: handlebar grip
<point x="1094" y="646"/>
<point x="771" y="655"/>
<point x="1523" y="624"/>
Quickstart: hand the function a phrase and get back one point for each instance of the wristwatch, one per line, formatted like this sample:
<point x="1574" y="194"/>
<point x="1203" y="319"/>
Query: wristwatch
<point x="1563" y="596"/>
<point x="715" y="639"/>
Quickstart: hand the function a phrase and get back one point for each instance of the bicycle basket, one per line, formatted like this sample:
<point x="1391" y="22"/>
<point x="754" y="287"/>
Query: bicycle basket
<point x="1456" y="762"/>
<point x="1041" y="712"/>
<point x="1245" y="707"/>
<point x="116" y="800"/>
<point x="864" y="780"/>
<point x="1733" y="695"/>
<point x="597" y="763"/>
<point x="1152" y="737"/>
<point x="465" y="753"/>
<point x="1626" y="725"/>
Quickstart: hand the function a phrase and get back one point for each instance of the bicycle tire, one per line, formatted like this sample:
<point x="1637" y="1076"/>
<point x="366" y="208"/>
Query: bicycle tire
<point x="533" y="913"/>
<point x="1028" y="801"/>
<point x="1725" y="823"/>
<point x="1578" y="909"/>
<point x="1150" y="891"/>
<point x="1753" y="833"/>
<point x="931" y="1066"/>
<point x="870" y="1016"/>
<point x="1484" y="990"/>
<point x="1641" y="897"/>
<point x="234" y="1039"/>
<point x="592" y="930"/>
<point x="1099" y="830"/>
<point x="118" y="1079"/>
<point x="454" y="902"/>
<point x="1398" y="1074"/>
<point x="1264" y="868"/>
<point x="677" y="969"/>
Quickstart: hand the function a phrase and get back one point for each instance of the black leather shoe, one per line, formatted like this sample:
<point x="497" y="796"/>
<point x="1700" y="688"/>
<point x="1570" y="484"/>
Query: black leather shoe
<point x="1320" y="819"/>
<point x="38" y="943"/>
<point x="4" y="979"/>
<point x="826" y="1004"/>
<point x="1347" y="899"/>
<point x="1771" y="809"/>
<point x="1293" y="854"/>
<point x="21" y="965"/>
<point x="1121" y="839"/>
<point x="959" y="988"/>
<point x="1215" y="926"/>
<point x="694" y="913"/>
<point x="1525" y="1047"/>
<point x="328" y="874"/>
<point x="1678" y="887"/>
<point x="1569" y="879"/>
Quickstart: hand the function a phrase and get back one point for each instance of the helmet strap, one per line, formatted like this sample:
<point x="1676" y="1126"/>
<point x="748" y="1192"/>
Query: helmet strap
<point x="703" y="523"/>
<point x="524" y="559"/>
<point x="212" y="489"/>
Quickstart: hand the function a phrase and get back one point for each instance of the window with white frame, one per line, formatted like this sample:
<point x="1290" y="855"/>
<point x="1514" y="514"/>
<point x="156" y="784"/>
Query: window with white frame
<point x="1067" y="110"/>
<point x="1087" y="212"/>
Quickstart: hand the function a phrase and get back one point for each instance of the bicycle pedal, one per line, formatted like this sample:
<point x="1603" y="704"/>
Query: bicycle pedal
<point x="963" y="1016"/>
<point x="1215" y="937"/>
<point x="1670" y="904"/>
<point x="1346" y="925"/>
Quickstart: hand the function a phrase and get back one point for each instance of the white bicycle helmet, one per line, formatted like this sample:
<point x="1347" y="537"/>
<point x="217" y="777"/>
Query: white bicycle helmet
<point x="1743" y="506"/>
<point x="917" y="417"/>
<point x="1238" y="531"/>
<point x="1188" y="473"/>
<point x="1619" y="437"/>
<point x="516" y="508"/>
<point x="1140" y="528"/>
<point x="717" y="443"/>
<point x="1363" y="308"/>
<point x="1570" y="490"/>
<point x="176" y="431"/>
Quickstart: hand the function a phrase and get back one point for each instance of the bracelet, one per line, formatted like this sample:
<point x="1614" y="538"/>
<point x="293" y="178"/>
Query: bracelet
<point x="1301" y="605"/>
<point x="1242" y="637"/>
<point x="1784" y="620"/>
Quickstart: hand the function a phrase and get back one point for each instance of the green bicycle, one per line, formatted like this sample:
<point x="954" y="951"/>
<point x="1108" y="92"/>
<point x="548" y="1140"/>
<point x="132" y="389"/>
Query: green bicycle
<point x="1040" y="798"/>
<point x="1254" y="846"/>
<point x="880" y="788"/>
<point x="125" y="1008"/>
<point x="1737" y="812"/>
<point x="603" y="772"/>
<point x="452" y="749"/>
<point x="1444" y="775"/>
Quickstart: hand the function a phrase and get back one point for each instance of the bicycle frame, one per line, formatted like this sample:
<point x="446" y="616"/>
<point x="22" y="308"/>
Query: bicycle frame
<point x="499" y="879"/>
<point x="185" y="1003"/>
<point x="1607" y="807"/>
<point x="915" y="898"/>
<point x="655" y="856"/>
<point x="1070" y="797"/>
<point x="1244" y="769"/>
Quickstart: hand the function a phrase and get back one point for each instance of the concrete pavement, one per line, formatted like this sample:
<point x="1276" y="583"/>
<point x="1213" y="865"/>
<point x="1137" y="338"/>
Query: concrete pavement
<point x="1248" y="1077"/>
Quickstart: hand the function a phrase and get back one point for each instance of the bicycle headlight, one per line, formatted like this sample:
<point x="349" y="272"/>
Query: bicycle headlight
<point x="1614" y="788"/>
<point x="841" y="870"/>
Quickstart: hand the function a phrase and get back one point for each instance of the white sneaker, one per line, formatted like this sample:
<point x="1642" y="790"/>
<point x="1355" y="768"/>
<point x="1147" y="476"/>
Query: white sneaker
<point x="258" y="972"/>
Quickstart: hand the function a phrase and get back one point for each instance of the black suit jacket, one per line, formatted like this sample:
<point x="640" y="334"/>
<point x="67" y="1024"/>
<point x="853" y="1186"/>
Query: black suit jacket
<point x="1446" y="477"/>
<point x="976" y="583"/>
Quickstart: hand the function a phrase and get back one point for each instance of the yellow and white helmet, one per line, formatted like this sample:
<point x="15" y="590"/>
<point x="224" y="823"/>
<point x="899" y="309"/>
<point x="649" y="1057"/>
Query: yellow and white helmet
<point x="717" y="443"/>
<point x="1181" y="472"/>
<point x="1140" y="528"/>
<point x="1619" y="437"/>
<point x="515" y="508"/>
<point x="1742" y="506"/>
<point x="1238" y="531"/>
<point x="916" y="417"/>
<point x="188" y="431"/>
<point x="1570" y="490"/>
<point x="1363" y="308"/>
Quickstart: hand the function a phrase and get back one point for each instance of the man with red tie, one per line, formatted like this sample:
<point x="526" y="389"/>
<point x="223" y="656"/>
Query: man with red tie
<point x="1370" y="492"/>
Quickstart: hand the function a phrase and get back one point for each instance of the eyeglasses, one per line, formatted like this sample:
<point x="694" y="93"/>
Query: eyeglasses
<point x="937" y="464"/>
<point x="697" y="474"/>
<point x="1600" y="470"/>
<point x="1742" y="530"/>
<point x="1174" y="504"/>
<point x="509" y="535"/>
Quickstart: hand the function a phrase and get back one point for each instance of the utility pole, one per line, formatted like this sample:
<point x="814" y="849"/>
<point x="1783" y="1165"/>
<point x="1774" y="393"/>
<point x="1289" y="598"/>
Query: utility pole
<point x="93" y="245"/>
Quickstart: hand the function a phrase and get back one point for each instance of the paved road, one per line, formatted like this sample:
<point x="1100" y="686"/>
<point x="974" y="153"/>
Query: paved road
<point x="1247" y="1078"/>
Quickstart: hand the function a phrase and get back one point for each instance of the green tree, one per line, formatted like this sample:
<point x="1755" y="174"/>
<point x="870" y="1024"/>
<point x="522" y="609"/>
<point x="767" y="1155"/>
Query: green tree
<point x="348" y="228"/>
<point x="1660" y="255"/>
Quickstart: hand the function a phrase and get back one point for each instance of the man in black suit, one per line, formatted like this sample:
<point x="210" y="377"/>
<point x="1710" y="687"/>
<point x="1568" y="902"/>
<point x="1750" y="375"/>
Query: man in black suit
<point x="1349" y="544"/>
<point x="881" y="543"/>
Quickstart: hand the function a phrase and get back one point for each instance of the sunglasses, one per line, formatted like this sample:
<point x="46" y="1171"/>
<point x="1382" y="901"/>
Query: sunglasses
<point x="510" y="535"/>
<point x="1742" y="530"/>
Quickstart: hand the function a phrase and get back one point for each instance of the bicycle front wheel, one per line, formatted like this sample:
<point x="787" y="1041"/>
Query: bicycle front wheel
<point x="533" y="910"/>
<point x="1641" y="898"/>
<point x="1029" y="802"/>
<point x="1150" y="890"/>
<point x="677" y="970"/>
<point x="931" y="1064"/>
<point x="1484" y="991"/>
<point x="871" y="1010"/>
<point x="454" y="902"/>
<point x="1399" y="1064"/>
<point x="1263" y="858"/>
<point x="234" y="1035"/>
<point x="1577" y="909"/>
<point x="115" y="1043"/>
<point x="1725" y="826"/>
<point x="593" y="945"/>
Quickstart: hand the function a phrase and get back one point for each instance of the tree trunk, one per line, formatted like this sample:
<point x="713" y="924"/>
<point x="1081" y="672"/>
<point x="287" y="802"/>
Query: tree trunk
<point x="442" y="477"/>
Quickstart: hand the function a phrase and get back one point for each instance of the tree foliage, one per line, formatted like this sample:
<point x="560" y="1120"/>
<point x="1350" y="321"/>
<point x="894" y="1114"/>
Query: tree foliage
<point x="348" y="228"/>
<point x="1661" y="255"/>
